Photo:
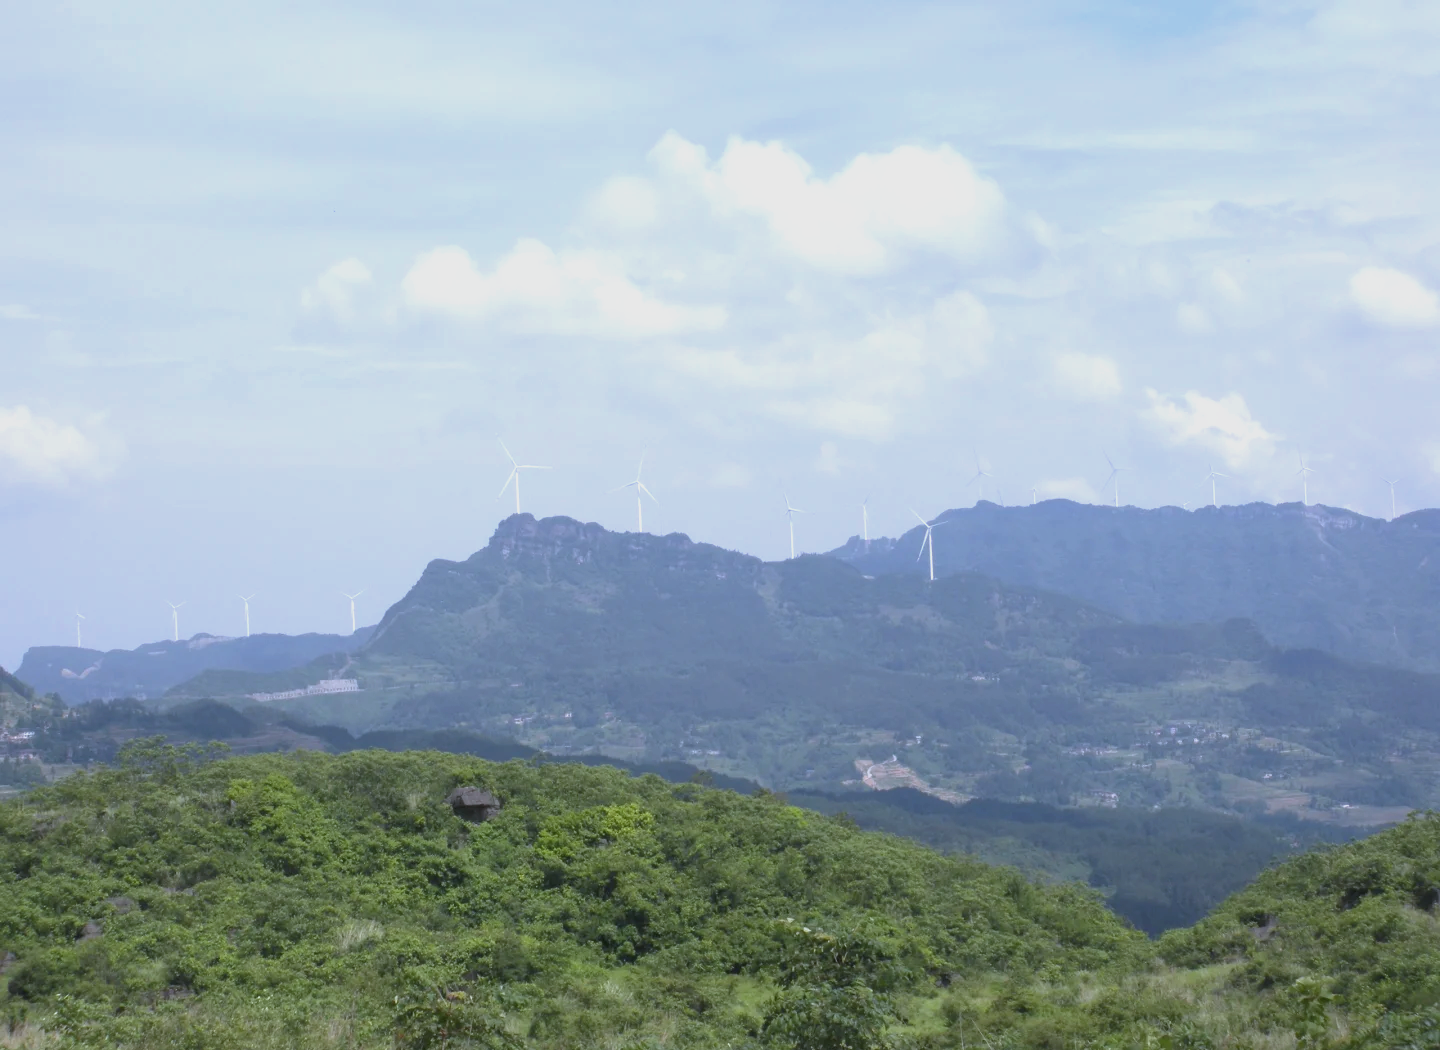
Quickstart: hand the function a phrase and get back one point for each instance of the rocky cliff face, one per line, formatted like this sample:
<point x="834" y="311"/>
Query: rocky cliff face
<point x="522" y="540"/>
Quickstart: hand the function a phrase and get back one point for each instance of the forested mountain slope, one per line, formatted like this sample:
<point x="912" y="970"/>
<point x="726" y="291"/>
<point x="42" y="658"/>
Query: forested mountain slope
<point x="1310" y="577"/>
<point x="806" y="673"/>
<point x="315" y="900"/>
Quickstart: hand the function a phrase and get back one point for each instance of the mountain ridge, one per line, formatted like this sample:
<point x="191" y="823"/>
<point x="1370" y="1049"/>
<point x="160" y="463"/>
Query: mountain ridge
<point x="77" y="675"/>
<point x="1310" y="577"/>
<point x="575" y="639"/>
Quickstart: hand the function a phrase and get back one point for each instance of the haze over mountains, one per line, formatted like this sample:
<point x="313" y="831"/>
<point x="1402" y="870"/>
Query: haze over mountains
<point x="78" y="674"/>
<point x="1310" y="577"/>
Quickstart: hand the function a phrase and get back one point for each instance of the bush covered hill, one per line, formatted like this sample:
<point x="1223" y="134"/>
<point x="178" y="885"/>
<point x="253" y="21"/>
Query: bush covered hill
<point x="1158" y="868"/>
<point x="808" y="674"/>
<point x="313" y="900"/>
<point x="1310" y="577"/>
<point x="78" y="675"/>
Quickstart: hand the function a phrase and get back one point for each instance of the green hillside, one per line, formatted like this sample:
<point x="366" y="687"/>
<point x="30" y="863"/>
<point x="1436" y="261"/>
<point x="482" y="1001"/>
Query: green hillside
<point x="313" y="900"/>
<point x="1310" y="577"/>
<point x="809" y="675"/>
<point x="1157" y="868"/>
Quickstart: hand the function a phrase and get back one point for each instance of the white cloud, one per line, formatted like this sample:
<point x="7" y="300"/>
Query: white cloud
<point x="1223" y="426"/>
<point x="859" y="221"/>
<point x="334" y="292"/>
<point x="1077" y="489"/>
<point x="730" y="476"/>
<point x="855" y="385"/>
<point x="1193" y="320"/>
<point x="535" y="289"/>
<point x="1393" y="298"/>
<point x="1085" y="377"/>
<point x="625" y="203"/>
<point x="828" y="461"/>
<point x="848" y="416"/>
<point x="37" y="449"/>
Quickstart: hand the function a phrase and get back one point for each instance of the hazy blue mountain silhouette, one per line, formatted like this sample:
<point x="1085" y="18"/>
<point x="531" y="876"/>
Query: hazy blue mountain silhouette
<point x="149" y="670"/>
<point x="1309" y="577"/>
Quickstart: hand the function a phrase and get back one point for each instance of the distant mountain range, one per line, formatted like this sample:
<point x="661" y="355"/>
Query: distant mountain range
<point x="1309" y="577"/>
<point x="808" y="673"/>
<point x="77" y="675"/>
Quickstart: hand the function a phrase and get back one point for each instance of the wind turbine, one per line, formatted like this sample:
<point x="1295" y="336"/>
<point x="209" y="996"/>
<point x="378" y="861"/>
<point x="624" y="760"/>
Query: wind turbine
<point x="78" y="618"/>
<point x="637" y="485"/>
<point x="865" y="521"/>
<point x="352" y="598"/>
<point x="175" y="616"/>
<point x="1034" y="495"/>
<point x="515" y="469"/>
<point x="980" y="475"/>
<point x="928" y="541"/>
<point x="1115" y="473"/>
<point x="1392" y="485"/>
<point x="1304" y="475"/>
<point x="246" y="599"/>
<point x="1211" y="478"/>
<point x="790" y="513"/>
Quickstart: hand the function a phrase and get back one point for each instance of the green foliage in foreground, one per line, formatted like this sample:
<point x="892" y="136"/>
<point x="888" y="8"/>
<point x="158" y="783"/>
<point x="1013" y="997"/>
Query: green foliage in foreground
<point x="317" y="900"/>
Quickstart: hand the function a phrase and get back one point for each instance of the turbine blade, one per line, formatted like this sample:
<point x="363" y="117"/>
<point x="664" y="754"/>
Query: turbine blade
<point x="646" y="491"/>
<point x="918" y="518"/>
<point x="507" y="452"/>
<point x="505" y="486"/>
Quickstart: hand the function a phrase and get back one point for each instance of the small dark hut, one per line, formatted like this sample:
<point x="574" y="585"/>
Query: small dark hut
<point x="473" y="804"/>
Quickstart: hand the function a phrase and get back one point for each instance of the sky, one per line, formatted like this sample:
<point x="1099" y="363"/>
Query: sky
<point x="276" y="282"/>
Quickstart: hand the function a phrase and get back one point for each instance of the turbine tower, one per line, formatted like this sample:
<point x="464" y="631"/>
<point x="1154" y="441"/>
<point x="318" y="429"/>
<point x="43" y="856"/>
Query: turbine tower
<point x="980" y="475"/>
<point x="790" y="513"/>
<point x="1034" y="495"/>
<point x="175" y="617"/>
<point x="78" y="618"/>
<point x="640" y="489"/>
<point x="928" y="542"/>
<point x="1304" y="475"/>
<point x="1115" y="473"/>
<point x="1392" y="485"/>
<point x="1211" y="478"/>
<point x="865" y="521"/>
<point x="246" y="599"/>
<point x="352" y="598"/>
<point x="515" y="469"/>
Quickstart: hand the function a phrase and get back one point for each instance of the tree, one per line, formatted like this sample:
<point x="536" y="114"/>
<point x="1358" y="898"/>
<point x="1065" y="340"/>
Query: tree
<point x="836" y="991"/>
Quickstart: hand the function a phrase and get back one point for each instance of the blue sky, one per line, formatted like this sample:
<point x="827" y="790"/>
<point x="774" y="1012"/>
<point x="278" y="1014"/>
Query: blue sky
<point x="274" y="282"/>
